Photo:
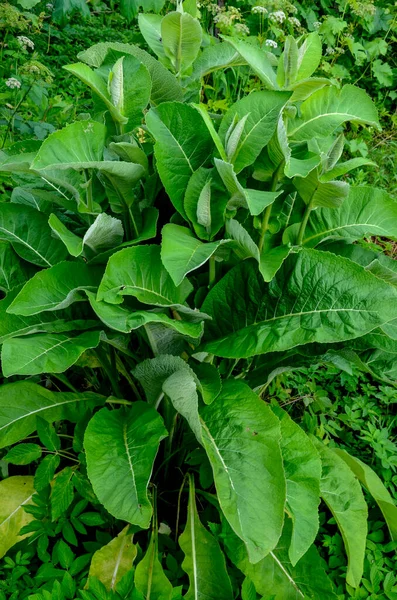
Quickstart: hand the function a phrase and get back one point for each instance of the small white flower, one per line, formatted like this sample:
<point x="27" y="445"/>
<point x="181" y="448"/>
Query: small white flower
<point x="25" y="42"/>
<point x="164" y="529"/>
<point x="242" y="28"/>
<point x="329" y="50"/>
<point x="271" y="43"/>
<point x="13" y="83"/>
<point x="316" y="24"/>
<point x="49" y="6"/>
<point x="294" y="21"/>
<point x="259" y="10"/>
<point x="278" y="16"/>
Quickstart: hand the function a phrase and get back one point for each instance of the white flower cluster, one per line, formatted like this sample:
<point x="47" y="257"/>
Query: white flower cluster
<point x="271" y="43"/>
<point x="278" y="16"/>
<point x="257" y="10"/>
<point x="330" y="50"/>
<point x="316" y="24"/>
<point x="242" y="28"/>
<point x="13" y="83"/>
<point x="25" y="42"/>
<point x="294" y="21"/>
<point x="49" y="6"/>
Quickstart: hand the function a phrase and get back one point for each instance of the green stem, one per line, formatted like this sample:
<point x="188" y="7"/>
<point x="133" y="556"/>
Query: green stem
<point x="305" y="219"/>
<point x="63" y="379"/>
<point x="212" y="272"/>
<point x="9" y="124"/>
<point x="268" y="209"/>
<point x="107" y="367"/>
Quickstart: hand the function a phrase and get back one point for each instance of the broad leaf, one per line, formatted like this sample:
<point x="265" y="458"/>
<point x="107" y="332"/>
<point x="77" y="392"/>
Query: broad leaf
<point x="302" y="466"/>
<point x="328" y="108"/>
<point x="366" y="211"/>
<point x="318" y="194"/>
<point x="150" y="578"/>
<point x="375" y="487"/>
<point x="214" y="58"/>
<point x="55" y="288"/>
<point x="183" y="145"/>
<point x="15" y="493"/>
<point x="342" y="493"/>
<point x="241" y="436"/>
<point x="45" y="352"/>
<point x="262" y="110"/>
<point x="150" y="28"/>
<point x="315" y="297"/>
<point x="139" y="272"/>
<point x="275" y="577"/>
<point x="204" y="562"/>
<point x="13" y="272"/>
<point x="111" y="562"/>
<point x="22" y="402"/>
<point x="181" y="36"/>
<point x="121" y="446"/>
<point x="30" y="235"/>
<point x="257" y="59"/>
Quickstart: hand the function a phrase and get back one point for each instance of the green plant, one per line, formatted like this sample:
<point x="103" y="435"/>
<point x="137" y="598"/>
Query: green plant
<point x="176" y="370"/>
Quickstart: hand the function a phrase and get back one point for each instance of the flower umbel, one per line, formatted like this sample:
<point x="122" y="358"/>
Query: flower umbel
<point x="271" y="43"/>
<point x="25" y="42"/>
<point x="13" y="83"/>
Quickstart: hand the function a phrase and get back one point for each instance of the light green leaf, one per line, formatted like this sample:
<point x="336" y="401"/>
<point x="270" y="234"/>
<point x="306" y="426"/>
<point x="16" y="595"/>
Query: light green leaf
<point x="183" y="145"/>
<point x="342" y="493"/>
<point x="126" y="320"/>
<point x="182" y="252"/>
<point x="346" y="167"/>
<point x="45" y="352"/>
<point x="23" y="454"/>
<point x="15" y="493"/>
<point x="73" y="242"/>
<point x="181" y="36"/>
<point x="328" y="108"/>
<point x="302" y="465"/>
<point x="263" y="110"/>
<point x="215" y="58"/>
<point x="241" y="436"/>
<point x="304" y="88"/>
<point x="324" y="195"/>
<point x="366" y="211"/>
<point x="111" y="562"/>
<point x="204" y="561"/>
<point x="150" y="28"/>
<point x="219" y="199"/>
<point x="121" y="446"/>
<point x="165" y="87"/>
<point x="12" y="271"/>
<point x="275" y="577"/>
<point x="30" y="235"/>
<point x="139" y="272"/>
<point x="257" y="59"/>
<point x="55" y="288"/>
<point x="150" y="578"/>
<point x="309" y="56"/>
<point x="370" y="480"/>
<point x="23" y="401"/>
<point x="316" y="297"/>
<point x="130" y="86"/>
<point x="272" y="260"/>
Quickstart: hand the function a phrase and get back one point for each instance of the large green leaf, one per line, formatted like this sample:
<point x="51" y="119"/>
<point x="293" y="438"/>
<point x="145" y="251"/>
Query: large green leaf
<point x="15" y="493"/>
<point x="342" y="493"/>
<point x="150" y="578"/>
<point x="261" y="110"/>
<point x="315" y="297"/>
<point x="139" y="272"/>
<point x="13" y="271"/>
<point x="328" y="108"/>
<point x="30" y="235"/>
<point x="50" y="322"/>
<point x="165" y="87"/>
<point x="150" y="27"/>
<point x="181" y="36"/>
<point x="126" y="320"/>
<point x="275" y="577"/>
<point x="55" y="288"/>
<point x="302" y="465"/>
<point x="45" y="352"/>
<point x="241" y="436"/>
<point x="204" y="562"/>
<point x="366" y="211"/>
<point x="183" y="145"/>
<point x="23" y="401"/>
<point x="111" y="562"/>
<point x="214" y="58"/>
<point x="257" y="59"/>
<point x="375" y="487"/>
<point x="121" y="446"/>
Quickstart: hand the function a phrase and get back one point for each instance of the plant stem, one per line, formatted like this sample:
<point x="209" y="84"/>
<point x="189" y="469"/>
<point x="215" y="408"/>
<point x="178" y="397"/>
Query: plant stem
<point x="305" y="219"/>
<point x="88" y="179"/>
<point x="107" y="367"/>
<point x="9" y="125"/>
<point x="268" y="209"/>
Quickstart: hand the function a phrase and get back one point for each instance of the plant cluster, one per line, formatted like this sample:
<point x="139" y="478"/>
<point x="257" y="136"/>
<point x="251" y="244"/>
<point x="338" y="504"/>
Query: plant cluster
<point x="161" y="266"/>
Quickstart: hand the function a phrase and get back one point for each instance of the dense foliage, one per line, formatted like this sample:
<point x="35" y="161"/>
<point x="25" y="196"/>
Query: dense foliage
<point x="173" y="262"/>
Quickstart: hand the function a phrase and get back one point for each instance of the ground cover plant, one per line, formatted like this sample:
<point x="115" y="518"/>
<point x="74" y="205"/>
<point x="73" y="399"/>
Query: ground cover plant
<point x="163" y="267"/>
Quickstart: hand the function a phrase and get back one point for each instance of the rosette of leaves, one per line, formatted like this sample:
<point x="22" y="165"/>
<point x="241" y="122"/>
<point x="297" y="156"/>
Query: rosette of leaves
<point x="178" y="337"/>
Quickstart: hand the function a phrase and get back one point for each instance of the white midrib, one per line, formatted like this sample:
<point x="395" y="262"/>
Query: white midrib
<point x="322" y="116"/>
<point x="193" y="535"/>
<point x="34" y="412"/>
<point x="347" y="226"/>
<point x="117" y="565"/>
<point x="127" y="450"/>
<point x="24" y="243"/>
<point x="284" y="570"/>
<point x="16" y="510"/>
